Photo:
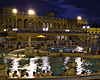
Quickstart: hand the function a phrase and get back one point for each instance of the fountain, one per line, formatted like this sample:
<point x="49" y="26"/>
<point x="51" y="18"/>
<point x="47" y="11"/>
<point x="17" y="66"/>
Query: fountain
<point x="29" y="50"/>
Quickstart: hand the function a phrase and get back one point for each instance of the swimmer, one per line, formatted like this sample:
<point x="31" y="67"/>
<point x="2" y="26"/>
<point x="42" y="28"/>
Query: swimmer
<point x="48" y="73"/>
<point x="15" y="74"/>
<point x="2" y="56"/>
<point x="48" y="54"/>
<point x="17" y="56"/>
<point x="22" y="73"/>
<point x="97" y="64"/>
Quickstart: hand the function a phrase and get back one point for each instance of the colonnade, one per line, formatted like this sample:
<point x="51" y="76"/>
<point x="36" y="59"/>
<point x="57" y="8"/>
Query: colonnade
<point x="36" y="24"/>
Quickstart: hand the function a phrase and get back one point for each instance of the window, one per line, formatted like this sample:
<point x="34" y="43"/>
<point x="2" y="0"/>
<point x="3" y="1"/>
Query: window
<point x="57" y="37"/>
<point x="43" y="24"/>
<point x="61" y="26"/>
<point x="50" y="25"/>
<point x="62" y="37"/>
<point x="47" y="25"/>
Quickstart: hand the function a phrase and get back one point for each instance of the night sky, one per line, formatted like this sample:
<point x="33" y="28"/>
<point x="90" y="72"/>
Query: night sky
<point x="87" y="9"/>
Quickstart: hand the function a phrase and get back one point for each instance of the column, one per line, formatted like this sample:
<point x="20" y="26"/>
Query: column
<point x="28" y="25"/>
<point x="8" y="23"/>
<point x="12" y="23"/>
<point x="66" y="26"/>
<point x="53" y="26"/>
<point x="16" y="23"/>
<point x="74" y="27"/>
<point x="35" y="26"/>
<point x="59" y="26"/>
<point x="56" y="25"/>
<point x="77" y="26"/>
<point x="22" y="24"/>
<point x="4" y="23"/>
<point x="41" y="26"/>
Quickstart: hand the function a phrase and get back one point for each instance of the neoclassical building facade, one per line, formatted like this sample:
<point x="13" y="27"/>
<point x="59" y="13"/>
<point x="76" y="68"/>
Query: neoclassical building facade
<point x="51" y="27"/>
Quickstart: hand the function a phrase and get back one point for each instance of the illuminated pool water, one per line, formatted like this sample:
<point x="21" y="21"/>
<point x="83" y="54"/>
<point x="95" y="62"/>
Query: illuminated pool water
<point x="93" y="48"/>
<point x="54" y="64"/>
<point x="63" y="48"/>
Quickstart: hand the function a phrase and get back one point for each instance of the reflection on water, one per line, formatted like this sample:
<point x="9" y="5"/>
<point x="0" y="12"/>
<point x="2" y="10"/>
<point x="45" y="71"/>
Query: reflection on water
<point x="79" y="65"/>
<point x="53" y="64"/>
<point x="65" y="62"/>
<point x="45" y="64"/>
<point x="32" y="66"/>
<point x="15" y="65"/>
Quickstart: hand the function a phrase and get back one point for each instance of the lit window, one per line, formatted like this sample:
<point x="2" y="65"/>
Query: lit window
<point x="50" y="25"/>
<point x="61" y="26"/>
<point x="43" y="24"/>
<point x="47" y="25"/>
<point x="95" y="36"/>
<point x="62" y="37"/>
<point x="58" y="37"/>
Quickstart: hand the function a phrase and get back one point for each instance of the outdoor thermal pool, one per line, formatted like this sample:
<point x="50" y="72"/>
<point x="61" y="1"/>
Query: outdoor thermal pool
<point x="54" y="64"/>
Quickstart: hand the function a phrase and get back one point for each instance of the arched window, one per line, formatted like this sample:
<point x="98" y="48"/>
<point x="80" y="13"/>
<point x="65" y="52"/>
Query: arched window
<point x="61" y="26"/>
<point x="65" y="37"/>
<point x="47" y="25"/>
<point x="50" y="25"/>
<point x="43" y="24"/>
<point x="57" y="37"/>
<point x="62" y="37"/>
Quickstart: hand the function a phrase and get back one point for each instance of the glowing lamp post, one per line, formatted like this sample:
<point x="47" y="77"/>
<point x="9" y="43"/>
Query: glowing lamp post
<point x="31" y="11"/>
<point x="14" y="29"/>
<point x="86" y="27"/>
<point x="14" y="11"/>
<point x="86" y="47"/>
<point x="67" y="43"/>
<point x="79" y="17"/>
<point x="67" y="30"/>
<point x="45" y="29"/>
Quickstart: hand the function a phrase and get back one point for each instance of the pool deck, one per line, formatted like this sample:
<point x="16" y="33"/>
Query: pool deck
<point x="50" y="53"/>
<point x="93" y="76"/>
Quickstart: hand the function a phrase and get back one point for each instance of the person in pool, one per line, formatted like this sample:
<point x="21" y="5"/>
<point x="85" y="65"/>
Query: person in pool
<point x="43" y="73"/>
<point x="34" y="74"/>
<point x="15" y="74"/>
<point x="22" y="73"/>
<point x="48" y="73"/>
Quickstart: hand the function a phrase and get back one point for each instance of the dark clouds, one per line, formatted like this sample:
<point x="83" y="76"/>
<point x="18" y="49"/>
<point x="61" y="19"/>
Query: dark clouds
<point x="88" y="9"/>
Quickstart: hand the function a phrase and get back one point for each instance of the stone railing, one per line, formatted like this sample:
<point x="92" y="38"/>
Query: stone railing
<point x="52" y="18"/>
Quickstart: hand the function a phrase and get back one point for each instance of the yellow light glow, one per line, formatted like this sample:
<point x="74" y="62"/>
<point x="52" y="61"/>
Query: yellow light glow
<point x="14" y="10"/>
<point x="79" y="18"/>
<point x="31" y="11"/>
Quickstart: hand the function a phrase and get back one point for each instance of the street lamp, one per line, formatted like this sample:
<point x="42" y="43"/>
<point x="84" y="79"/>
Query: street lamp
<point x="45" y="29"/>
<point x="86" y="27"/>
<point x="67" y="30"/>
<point x="86" y="47"/>
<point x="14" y="11"/>
<point x="14" y="29"/>
<point x="30" y="11"/>
<point x="79" y="17"/>
<point x="67" y="43"/>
